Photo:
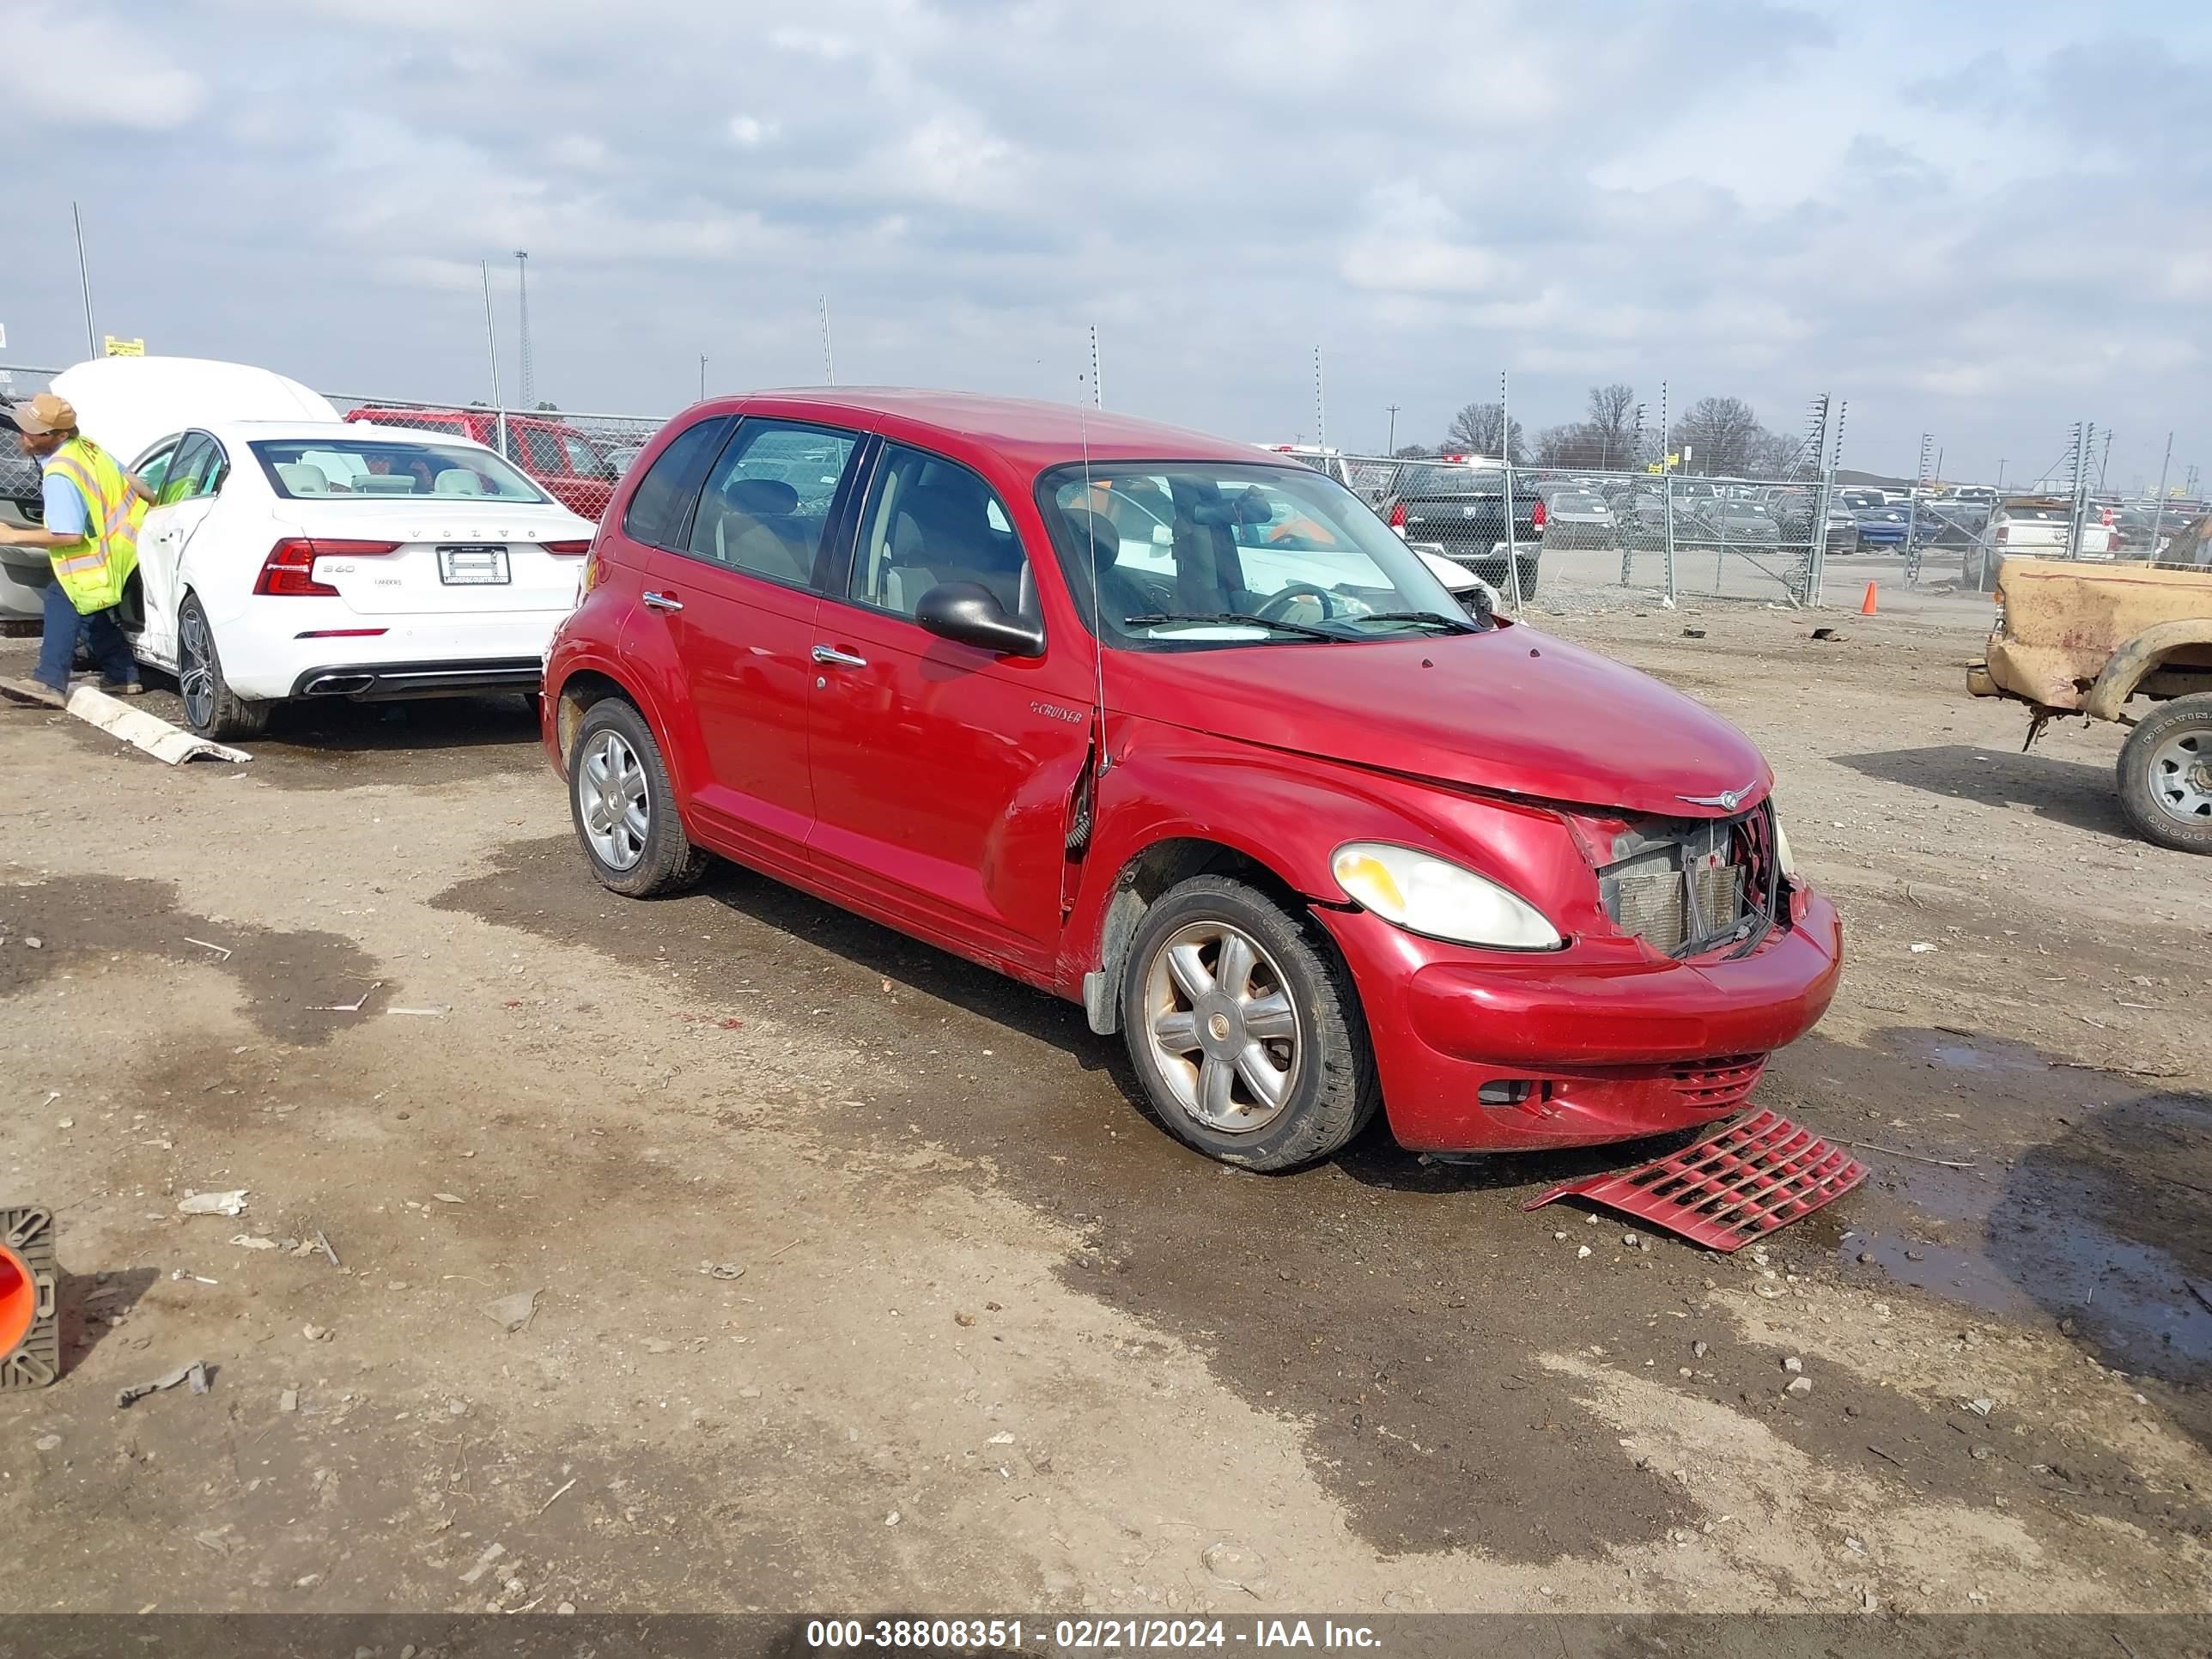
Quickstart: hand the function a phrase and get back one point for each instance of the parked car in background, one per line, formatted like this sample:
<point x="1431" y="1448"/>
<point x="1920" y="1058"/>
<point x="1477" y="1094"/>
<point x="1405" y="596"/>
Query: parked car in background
<point x="558" y="455"/>
<point x="1578" y="517"/>
<point x="1259" y="796"/>
<point x="1883" y="525"/>
<point x="1726" y="521"/>
<point x="25" y="571"/>
<point x="335" y="559"/>
<point x="1954" y="520"/>
<point x="621" y="460"/>
<point x="2037" y="527"/>
<point x="1459" y="506"/>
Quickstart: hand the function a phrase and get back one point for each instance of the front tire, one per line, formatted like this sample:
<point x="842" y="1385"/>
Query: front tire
<point x="1244" y="1029"/>
<point x="2166" y="775"/>
<point x="624" y="806"/>
<point x="212" y="709"/>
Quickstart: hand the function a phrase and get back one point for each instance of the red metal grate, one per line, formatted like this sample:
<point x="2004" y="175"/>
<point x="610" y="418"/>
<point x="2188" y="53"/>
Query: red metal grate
<point x="1758" y="1174"/>
<point x="1718" y="1083"/>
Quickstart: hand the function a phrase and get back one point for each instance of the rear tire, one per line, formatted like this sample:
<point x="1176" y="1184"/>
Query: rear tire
<point x="1222" y="986"/>
<point x="2166" y="775"/>
<point x="212" y="709"/>
<point x="1527" y="579"/>
<point x="624" y="806"/>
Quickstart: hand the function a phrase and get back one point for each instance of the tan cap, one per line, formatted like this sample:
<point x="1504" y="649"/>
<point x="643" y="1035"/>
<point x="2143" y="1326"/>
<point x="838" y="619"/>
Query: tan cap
<point x="44" y="413"/>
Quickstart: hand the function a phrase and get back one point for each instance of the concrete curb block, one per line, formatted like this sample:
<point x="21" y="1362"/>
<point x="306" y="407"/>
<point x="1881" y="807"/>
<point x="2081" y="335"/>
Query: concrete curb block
<point x="133" y="726"/>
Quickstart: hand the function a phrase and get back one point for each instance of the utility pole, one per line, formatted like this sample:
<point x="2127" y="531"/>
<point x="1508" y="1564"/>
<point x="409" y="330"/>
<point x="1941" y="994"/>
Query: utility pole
<point x="829" y="360"/>
<point x="84" y="281"/>
<point x="1320" y="406"/>
<point x="1390" y="444"/>
<point x="522" y="343"/>
<point x="2103" y="460"/>
<point x="702" y="377"/>
<point x="2001" y="467"/>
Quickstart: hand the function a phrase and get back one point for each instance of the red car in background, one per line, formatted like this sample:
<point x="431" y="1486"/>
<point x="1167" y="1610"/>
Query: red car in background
<point x="1185" y="733"/>
<point x="554" y="453"/>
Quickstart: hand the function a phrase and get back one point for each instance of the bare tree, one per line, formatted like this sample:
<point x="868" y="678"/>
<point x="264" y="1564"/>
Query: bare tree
<point x="1416" y="451"/>
<point x="1480" y="430"/>
<point x="1569" y="445"/>
<point x="1723" y="435"/>
<point x="1610" y="427"/>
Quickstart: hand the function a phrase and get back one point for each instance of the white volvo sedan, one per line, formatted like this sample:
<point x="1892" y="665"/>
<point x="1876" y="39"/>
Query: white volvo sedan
<point x="296" y="560"/>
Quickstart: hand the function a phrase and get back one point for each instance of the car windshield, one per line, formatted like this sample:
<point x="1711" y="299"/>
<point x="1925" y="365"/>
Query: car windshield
<point x="1219" y="554"/>
<point x="314" y="469"/>
<point x="1577" y="500"/>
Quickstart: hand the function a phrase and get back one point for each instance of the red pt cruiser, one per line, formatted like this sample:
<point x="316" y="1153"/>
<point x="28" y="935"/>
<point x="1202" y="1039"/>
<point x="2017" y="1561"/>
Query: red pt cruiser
<point x="1181" y="731"/>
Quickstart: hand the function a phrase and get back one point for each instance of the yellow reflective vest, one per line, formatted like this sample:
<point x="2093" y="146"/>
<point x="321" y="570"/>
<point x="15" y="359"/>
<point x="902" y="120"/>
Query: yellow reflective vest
<point x="93" y="571"/>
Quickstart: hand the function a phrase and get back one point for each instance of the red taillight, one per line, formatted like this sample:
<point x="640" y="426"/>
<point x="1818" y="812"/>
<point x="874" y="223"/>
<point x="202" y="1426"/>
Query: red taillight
<point x="2004" y="533"/>
<point x="568" y="549"/>
<point x="1538" y="517"/>
<point x="1398" y="515"/>
<point x="288" y="572"/>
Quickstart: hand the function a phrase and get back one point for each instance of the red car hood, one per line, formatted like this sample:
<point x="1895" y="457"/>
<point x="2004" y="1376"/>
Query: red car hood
<point x="1512" y="711"/>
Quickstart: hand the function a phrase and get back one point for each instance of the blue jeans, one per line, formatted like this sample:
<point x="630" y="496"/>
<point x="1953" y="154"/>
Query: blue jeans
<point x="58" y="644"/>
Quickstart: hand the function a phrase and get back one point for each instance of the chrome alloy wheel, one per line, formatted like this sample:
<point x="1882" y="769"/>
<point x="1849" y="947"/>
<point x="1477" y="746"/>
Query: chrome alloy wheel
<point x="196" y="669"/>
<point x="2181" y="776"/>
<point x="613" y="801"/>
<point x="1224" y="1031"/>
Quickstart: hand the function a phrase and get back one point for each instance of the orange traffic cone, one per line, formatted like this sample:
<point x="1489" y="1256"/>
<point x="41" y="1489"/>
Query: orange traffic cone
<point x="1866" y="605"/>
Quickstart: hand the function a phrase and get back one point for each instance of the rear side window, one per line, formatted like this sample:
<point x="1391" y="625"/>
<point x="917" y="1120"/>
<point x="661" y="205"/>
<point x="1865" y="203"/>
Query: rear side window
<point x="657" y="511"/>
<point x="767" y="505"/>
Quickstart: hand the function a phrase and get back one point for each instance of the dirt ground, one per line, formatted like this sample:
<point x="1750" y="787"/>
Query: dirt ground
<point x="866" y="1283"/>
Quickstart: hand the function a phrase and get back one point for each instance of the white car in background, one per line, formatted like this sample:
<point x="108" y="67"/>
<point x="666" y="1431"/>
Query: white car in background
<point x="123" y="404"/>
<point x="321" y="559"/>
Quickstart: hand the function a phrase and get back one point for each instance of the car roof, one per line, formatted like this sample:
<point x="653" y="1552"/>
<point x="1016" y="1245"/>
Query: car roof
<point x="1029" y="433"/>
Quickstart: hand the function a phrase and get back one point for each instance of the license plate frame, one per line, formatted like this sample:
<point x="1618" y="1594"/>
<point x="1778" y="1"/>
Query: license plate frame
<point x="475" y="564"/>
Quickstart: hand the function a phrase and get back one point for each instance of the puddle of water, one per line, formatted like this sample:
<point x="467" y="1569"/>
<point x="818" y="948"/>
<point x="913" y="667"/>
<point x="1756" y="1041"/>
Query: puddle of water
<point x="2131" y="1299"/>
<point x="1958" y="1053"/>
<point x="2041" y="1248"/>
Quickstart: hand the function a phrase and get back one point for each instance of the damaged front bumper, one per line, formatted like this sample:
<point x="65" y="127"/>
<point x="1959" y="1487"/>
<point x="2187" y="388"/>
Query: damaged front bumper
<point x="1487" y="1051"/>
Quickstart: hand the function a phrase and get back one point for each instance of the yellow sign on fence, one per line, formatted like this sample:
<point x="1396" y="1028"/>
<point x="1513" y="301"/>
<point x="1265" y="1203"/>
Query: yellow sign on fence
<point x="125" y="348"/>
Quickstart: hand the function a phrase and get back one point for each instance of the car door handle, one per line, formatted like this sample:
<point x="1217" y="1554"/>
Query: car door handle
<point x="830" y="657"/>
<point x="661" y="601"/>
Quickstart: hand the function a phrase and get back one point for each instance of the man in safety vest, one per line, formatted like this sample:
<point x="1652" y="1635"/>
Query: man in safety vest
<point x="92" y="512"/>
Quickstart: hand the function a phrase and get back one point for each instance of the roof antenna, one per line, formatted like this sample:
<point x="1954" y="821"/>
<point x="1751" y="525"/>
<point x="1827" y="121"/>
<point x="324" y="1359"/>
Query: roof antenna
<point x="1091" y="518"/>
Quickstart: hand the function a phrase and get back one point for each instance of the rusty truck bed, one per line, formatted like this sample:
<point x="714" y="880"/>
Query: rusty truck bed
<point x="2076" y="638"/>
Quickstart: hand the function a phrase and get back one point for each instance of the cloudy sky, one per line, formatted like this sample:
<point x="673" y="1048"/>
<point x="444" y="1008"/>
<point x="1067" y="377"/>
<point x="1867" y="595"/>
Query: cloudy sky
<point x="1984" y="220"/>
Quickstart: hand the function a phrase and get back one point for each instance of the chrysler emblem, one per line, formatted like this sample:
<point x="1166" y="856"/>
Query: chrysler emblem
<point x="1728" y="801"/>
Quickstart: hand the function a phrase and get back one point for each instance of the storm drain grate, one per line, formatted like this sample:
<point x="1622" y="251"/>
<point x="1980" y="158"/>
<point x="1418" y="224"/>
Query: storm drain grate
<point x="1757" y="1175"/>
<point x="30" y="1340"/>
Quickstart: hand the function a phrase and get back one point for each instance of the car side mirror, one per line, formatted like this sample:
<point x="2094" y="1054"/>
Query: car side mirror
<point x="969" y="613"/>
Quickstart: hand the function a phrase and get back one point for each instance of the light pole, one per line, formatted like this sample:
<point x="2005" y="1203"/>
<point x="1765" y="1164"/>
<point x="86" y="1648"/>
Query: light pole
<point x="702" y="377"/>
<point x="522" y="341"/>
<point x="84" y="283"/>
<point x="1390" y="445"/>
